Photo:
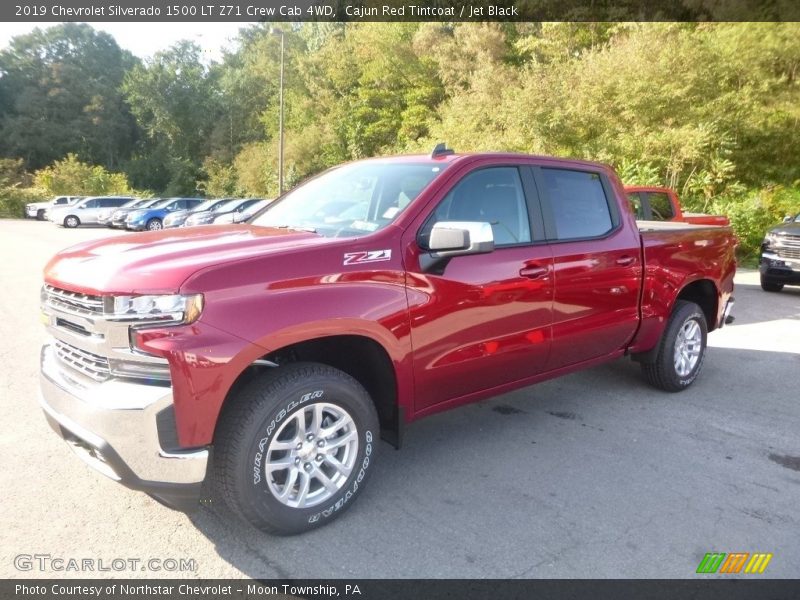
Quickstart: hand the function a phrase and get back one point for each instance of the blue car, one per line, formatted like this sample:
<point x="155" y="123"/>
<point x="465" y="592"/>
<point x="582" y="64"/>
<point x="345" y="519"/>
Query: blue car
<point x="152" y="218"/>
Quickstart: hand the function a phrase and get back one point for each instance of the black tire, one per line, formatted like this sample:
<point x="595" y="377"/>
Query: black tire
<point x="40" y="214"/>
<point x="154" y="224"/>
<point x="259" y="416"/>
<point x="662" y="372"/>
<point x="769" y="285"/>
<point x="71" y="222"/>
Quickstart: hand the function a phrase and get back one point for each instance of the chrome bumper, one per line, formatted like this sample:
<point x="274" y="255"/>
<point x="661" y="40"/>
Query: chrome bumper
<point x="112" y="426"/>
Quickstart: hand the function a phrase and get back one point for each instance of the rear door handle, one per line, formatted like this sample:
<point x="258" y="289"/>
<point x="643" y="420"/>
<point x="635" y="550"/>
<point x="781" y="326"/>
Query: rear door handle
<point x="533" y="271"/>
<point x="624" y="261"/>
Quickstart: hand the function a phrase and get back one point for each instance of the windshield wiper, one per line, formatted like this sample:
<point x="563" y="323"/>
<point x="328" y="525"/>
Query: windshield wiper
<point x="297" y="227"/>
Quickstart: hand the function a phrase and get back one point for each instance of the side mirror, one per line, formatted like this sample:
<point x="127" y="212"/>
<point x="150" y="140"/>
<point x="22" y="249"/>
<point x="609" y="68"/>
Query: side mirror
<point x="460" y="238"/>
<point x="788" y="219"/>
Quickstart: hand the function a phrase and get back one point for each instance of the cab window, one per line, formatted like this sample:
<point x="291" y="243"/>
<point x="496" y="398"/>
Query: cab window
<point x="493" y="195"/>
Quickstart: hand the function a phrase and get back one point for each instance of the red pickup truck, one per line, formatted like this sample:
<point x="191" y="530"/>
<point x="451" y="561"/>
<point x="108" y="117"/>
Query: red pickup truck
<point x="651" y="203"/>
<point x="265" y="359"/>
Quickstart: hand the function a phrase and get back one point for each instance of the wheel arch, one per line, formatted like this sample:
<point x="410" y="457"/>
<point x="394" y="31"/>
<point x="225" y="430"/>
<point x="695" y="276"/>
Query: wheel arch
<point x="360" y="356"/>
<point x="705" y="294"/>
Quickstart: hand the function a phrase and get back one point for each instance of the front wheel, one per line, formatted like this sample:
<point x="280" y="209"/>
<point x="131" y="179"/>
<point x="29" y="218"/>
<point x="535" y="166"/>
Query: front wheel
<point x="154" y="224"/>
<point x="681" y="350"/>
<point x="769" y="285"/>
<point x="72" y="222"/>
<point x="40" y="214"/>
<point x="294" y="447"/>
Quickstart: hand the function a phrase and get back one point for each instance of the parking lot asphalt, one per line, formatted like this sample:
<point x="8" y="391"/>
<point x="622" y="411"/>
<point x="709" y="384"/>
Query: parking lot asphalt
<point x="591" y="475"/>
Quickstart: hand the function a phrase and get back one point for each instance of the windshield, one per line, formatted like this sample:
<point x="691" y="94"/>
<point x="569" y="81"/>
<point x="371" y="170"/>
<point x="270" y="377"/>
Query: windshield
<point x="229" y="206"/>
<point x="351" y="200"/>
<point x="149" y="202"/>
<point x="161" y="203"/>
<point x="133" y="203"/>
<point x="209" y="205"/>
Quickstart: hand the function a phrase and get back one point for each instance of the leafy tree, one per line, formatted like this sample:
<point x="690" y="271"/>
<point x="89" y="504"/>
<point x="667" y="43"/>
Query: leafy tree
<point x="73" y="177"/>
<point x="174" y="100"/>
<point x="59" y="93"/>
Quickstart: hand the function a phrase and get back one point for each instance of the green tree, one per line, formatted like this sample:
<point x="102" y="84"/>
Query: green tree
<point x="173" y="97"/>
<point x="59" y="93"/>
<point x="73" y="177"/>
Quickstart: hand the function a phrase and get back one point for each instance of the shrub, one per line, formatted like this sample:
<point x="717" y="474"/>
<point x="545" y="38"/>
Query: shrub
<point x="71" y="177"/>
<point x="13" y="200"/>
<point x="754" y="213"/>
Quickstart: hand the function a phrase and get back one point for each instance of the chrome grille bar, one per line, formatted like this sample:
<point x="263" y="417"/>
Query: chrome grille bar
<point x="93" y="366"/>
<point x="73" y="301"/>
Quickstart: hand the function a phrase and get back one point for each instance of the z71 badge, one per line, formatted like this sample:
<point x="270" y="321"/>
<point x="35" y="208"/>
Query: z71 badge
<point x="357" y="258"/>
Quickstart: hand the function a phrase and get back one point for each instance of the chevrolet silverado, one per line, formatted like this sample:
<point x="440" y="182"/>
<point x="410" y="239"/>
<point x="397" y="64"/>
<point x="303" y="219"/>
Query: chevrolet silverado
<point x="259" y="363"/>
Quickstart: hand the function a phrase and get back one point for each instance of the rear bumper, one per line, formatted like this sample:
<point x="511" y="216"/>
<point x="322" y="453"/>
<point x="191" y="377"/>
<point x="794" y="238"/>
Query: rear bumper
<point x="113" y="426"/>
<point x="779" y="269"/>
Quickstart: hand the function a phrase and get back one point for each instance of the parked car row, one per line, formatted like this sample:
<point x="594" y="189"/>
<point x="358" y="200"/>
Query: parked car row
<point x="143" y="214"/>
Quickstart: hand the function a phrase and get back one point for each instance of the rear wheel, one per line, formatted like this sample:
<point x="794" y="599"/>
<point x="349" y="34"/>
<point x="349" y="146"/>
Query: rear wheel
<point x="71" y="221"/>
<point x="768" y="285"/>
<point x="681" y="350"/>
<point x="154" y="224"/>
<point x="294" y="447"/>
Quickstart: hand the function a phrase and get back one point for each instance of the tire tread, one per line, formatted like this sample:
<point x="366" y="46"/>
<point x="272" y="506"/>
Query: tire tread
<point x="242" y="411"/>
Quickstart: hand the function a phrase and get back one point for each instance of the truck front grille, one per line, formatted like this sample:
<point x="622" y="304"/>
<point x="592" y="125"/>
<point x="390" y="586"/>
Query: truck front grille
<point x="93" y="366"/>
<point x="75" y="302"/>
<point x="785" y="252"/>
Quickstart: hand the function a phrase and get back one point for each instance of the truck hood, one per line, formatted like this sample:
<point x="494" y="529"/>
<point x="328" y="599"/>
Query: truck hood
<point x="790" y="228"/>
<point x="159" y="262"/>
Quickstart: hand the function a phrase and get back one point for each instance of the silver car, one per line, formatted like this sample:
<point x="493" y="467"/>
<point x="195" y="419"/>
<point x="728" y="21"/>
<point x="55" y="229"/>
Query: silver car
<point x="86" y="212"/>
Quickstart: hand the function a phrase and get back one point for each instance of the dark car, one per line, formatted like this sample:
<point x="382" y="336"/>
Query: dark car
<point x="780" y="256"/>
<point x="178" y="218"/>
<point x="232" y="207"/>
<point x="152" y="217"/>
<point x="117" y="220"/>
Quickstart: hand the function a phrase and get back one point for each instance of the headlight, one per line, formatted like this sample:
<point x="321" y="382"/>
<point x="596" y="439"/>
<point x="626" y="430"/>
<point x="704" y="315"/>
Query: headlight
<point x="228" y="218"/>
<point x="770" y="239"/>
<point x="173" y="309"/>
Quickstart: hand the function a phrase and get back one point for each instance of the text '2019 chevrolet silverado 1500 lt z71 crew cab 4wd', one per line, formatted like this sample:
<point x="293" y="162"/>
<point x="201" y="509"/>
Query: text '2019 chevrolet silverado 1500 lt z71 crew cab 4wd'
<point x="267" y="358"/>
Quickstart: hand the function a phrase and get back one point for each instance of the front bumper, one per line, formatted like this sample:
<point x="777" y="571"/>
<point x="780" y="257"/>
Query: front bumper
<point x="136" y="225"/>
<point x="779" y="269"/>
<point x="121" y="429"/>
<point x="31" y="211"/>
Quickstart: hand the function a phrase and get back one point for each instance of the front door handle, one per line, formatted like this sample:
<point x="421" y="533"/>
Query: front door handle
<point x="624" y="261"/>
<point x="533" y="271"/>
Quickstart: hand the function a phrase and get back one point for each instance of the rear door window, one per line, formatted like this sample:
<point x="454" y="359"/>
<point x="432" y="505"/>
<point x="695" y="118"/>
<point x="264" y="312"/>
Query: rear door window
<point x="578" y="204"/>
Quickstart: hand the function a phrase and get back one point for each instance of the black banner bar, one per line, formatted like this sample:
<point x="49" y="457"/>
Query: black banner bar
<point x="406" y="589"/>
<point x="397" y="10"/>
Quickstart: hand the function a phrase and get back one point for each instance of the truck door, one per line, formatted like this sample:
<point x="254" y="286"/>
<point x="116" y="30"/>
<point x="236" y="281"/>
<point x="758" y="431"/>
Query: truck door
<point x="481" y="321"/>
<point x="596" y="262"/>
